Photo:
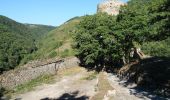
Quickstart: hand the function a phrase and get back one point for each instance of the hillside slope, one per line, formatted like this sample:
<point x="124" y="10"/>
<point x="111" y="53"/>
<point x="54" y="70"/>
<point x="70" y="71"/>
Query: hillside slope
<point x="57" y="42"/>
<point x="38" y="30"/>
<point x="16" y="41"/>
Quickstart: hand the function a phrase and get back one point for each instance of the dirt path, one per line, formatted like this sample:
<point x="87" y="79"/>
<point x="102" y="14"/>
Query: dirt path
<point x="76" y="85"/>
<point x="70" y="86"/>
<point x="121" y="92"/>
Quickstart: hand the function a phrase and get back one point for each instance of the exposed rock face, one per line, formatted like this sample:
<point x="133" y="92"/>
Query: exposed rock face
<point x="111" y="7"/>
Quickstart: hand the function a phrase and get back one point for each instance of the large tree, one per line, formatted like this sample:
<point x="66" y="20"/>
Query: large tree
<point x="95" y="42"/>
<point x="142" y="21"/>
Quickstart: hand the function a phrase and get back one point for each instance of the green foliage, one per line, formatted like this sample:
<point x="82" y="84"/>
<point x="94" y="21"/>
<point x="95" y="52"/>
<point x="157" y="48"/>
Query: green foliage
<point x="145" y="20"/>
<point x="53" y="54"/>
<point x="159" y="48"/>
<point x="16" y="41"/>
<point x="94" y="40"/>
<point x="67" y="53"/>
<point x="159" y="19"/>
<point x="102" y="39"/>
<point x="38" y="31"/>
<point x="142" y="21"/>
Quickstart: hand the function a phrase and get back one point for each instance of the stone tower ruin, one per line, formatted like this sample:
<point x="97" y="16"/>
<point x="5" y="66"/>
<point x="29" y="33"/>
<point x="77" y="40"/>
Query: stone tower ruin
<point x="111" y="7"/>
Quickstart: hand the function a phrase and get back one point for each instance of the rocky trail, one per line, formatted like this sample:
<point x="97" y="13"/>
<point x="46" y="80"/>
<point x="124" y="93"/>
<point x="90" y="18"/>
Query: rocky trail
<point x="122" y="92"/>
<point x="72" y="86"/>
<point x="77" y="86"/>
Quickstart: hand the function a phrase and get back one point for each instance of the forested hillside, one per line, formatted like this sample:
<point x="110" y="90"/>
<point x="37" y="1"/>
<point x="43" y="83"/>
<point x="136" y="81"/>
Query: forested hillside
<point x="48" y="46"/>
<point x="16" y="41"/>
<point x="38" y="31"/>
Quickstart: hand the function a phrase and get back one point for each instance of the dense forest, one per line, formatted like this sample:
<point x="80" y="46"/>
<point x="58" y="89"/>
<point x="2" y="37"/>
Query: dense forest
<point x="17" y="40"/>
<point x="39" y="31"/>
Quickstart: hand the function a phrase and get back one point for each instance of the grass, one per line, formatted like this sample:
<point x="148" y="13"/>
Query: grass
<point x="53" y="54"/>
<point x="70" y="71"/>
<point x="103" y="87"/>
<point x="67" y="53"/>
<point x="91" y="76"/>
<point x="44" y="79"/>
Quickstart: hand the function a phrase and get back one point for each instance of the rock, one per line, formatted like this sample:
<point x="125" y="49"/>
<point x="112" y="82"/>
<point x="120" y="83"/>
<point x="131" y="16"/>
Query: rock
<point x="109" y="94"/>
<point x="18" y="99"/>
<point x="22" y="75"/>
<point x="4" y="98"/>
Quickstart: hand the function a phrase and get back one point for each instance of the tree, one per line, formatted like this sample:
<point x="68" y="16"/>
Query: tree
<point x="159" y="20"/>
<point x="142" y="21"/>
<point x="95" y="42"/>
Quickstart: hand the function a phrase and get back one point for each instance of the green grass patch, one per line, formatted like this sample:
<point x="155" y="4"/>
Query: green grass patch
<point x="44" y="79"/>
<point x="70" y="71"/>
<point x="67" y="53"/>
<point x="91" y="76"/>
<point x="53" y="54"/>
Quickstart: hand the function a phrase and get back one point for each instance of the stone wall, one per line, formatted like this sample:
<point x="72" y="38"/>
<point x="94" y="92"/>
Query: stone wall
<point x="111" y="7"/>
<point x="26" y="73"/>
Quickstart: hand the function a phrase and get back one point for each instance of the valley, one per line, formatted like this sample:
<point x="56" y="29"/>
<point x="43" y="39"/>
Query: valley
<point x="121" y="52"/>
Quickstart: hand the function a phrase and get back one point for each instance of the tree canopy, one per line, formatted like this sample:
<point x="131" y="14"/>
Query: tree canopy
<point x="94" y="40"/>
<point x="102" y="38"/>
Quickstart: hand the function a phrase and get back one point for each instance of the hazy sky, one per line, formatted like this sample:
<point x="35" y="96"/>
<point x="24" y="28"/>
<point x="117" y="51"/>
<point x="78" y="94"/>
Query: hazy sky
<point x="49" y="12"/>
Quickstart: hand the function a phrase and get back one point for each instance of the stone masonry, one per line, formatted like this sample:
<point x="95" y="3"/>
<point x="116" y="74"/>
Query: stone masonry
<point x="111" y="7"/>
<point x="26" y="73"/>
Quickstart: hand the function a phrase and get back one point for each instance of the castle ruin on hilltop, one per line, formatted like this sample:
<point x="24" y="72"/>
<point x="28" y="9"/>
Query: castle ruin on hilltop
<point x="111" y="7"/>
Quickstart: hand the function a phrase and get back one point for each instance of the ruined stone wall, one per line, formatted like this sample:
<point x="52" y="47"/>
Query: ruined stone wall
<point x="111" y="7"/>
<point x="24" y="74"/>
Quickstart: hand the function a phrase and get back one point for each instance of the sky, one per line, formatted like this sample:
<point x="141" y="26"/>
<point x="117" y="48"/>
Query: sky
<point x="47" y="12"/>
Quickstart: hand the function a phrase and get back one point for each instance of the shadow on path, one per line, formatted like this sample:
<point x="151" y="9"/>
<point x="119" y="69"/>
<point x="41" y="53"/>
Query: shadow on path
<point x="69" y="96"/>
<point x="152" y="76"/>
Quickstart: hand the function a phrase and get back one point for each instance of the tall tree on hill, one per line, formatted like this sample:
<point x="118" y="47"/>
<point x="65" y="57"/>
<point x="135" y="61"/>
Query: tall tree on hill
<point x="94" y="41"/>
